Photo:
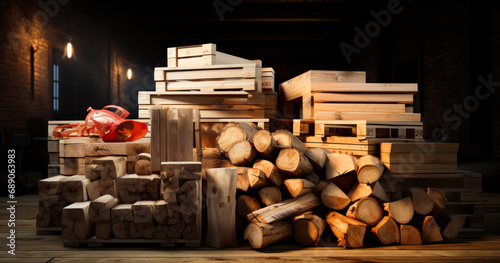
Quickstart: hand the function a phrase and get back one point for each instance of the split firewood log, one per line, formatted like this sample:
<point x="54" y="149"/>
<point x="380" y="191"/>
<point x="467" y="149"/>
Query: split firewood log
<point x="450" y="225"/>
<point x="386" y="231"/>
<point x="233" y="133"/>
<point x="430" y="231"/>
<point x="270" y="195"/>
<point x="338" y="164"/>
<point x="308" y="228"/>
<point x="439" y="200"/>
<point x="363" y="190"/>
<point x="370" y="169"/>
<point x="100" y="209"/>
<point x="366" y="210"/>
<point x="143" y="164"/>
<point x="246" y="204"/>
<point x="349" y="232"/>
<point x="293" y="163"/>
<point x="242" y="153"/>
<point x="286" y="139"/>
<point x="334" y="198"/>
<point x="410" y="235"/>
<point x="272" y="172"/>
<point x="422" y="203"/>
<point x="317" y="157"/>
<point x="265" y="144"/>
<point x="261" y="235"/>
<point x="299" y="187"/>
<point x="401" y="210"/>
<point x="319" y="183"/>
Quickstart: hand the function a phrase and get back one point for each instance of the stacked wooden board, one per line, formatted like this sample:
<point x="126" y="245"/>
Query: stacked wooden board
<point x="434" y="165"/>
<point x="221" y="86"/>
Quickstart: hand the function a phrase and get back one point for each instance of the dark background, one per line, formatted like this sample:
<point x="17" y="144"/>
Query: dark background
<point x="444" y="46"/>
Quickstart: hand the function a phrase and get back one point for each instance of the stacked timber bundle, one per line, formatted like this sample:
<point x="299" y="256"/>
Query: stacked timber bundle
<point x="344" y="114"/>
<point x="222" y="87"/>
<point x="286" y="190"/>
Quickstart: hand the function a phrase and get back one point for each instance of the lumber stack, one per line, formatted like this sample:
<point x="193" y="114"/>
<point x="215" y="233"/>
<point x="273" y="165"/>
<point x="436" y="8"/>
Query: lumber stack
<point x="434" y="166"/>
<point x="222" y="87"/>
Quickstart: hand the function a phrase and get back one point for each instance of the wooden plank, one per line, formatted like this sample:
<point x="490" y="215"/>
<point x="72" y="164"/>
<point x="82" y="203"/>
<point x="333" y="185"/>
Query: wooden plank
<point x="363" y="97"/>
<point x="321" y="76"/>
<point x="155" y="138"/>
<point x="424" y="147"/>
<point x="185" y="135"/>
<point x="237" y="84"/>
<point x="422" y="167"/>
<point x="67" y="148"/>
<point x="191" y="51"/>
<point x="200" y="98"/>
<point x="208" y="72"/>
<point x="411" y="88"/>
<point x="360" y="107"/>
<point x="370" y="116"/>
<point x="394" y="158"/>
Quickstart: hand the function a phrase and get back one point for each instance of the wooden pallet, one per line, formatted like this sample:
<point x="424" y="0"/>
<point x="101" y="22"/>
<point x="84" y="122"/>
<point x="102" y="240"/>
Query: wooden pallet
<point x="95" y="242"/>
<point x="359" y="129"/>
<point x="246" y="77"/>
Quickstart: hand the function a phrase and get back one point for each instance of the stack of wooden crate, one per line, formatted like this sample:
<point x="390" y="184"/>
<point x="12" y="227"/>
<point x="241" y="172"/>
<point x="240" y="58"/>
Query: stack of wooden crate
<point x="434" y="165"/>
<point x="344" y="114"/>
<point x="223" y="87"/>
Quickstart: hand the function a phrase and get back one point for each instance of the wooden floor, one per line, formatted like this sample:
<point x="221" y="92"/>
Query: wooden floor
<point x="30" y="247"/>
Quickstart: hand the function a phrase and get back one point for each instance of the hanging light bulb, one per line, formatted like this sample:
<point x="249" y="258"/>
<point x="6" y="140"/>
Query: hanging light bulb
<point x="69" y="50"/>
<point x="129" y="73"/>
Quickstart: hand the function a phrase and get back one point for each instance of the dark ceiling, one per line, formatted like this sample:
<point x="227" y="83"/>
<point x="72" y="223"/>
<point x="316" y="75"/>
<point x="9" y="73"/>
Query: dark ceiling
<point x="273" y="31"/>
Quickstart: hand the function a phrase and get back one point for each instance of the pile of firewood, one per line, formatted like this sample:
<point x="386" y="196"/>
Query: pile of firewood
<point x="286" y="189"/>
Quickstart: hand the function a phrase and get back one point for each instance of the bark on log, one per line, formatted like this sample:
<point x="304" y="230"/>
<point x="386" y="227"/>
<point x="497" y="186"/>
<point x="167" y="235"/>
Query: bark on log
<point x="286" y="139"/>
<point x="317" y="157"/>
<point x="430" y="231"/>
<point x="294" y="163"/>
<point x="246" y="204"/>
<point x="284" y="209"/>
<point x="308" y="228"/>
<point x="319" y="183"/>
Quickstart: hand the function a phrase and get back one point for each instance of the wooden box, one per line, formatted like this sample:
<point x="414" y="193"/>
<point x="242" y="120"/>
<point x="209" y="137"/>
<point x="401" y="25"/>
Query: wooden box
<point x="200" y="55"/>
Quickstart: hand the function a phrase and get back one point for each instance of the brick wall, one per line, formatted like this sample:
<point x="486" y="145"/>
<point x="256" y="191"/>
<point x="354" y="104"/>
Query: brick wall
<point x="495" y="66"/>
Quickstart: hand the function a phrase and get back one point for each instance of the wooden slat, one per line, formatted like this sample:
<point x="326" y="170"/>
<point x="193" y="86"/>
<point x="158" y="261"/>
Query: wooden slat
<point x="365" y="87"/>
<point x="422" y="167"/>
<point x="360" y="107"/>
<point x="370" y="116"/>
<point x="418" y="157"/>
<point x="423" y="147"/>
<point x="363" y="97"/>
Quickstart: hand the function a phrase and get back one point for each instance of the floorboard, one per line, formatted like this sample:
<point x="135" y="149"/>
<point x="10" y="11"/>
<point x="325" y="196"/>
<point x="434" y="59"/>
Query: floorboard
<point x="30" y="247"/>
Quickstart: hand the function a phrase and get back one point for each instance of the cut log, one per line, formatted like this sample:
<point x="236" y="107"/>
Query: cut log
<point x="338" y="164"/>
<point x="49" y="187"/>
<point x="366" y="210"/>
<point x="319" y="183"/>
<point x="386" y="231"/>
<point x="270" y="195"/>
<point x="246" y="204"/>
<point x="161" y="231"/>
<point x="410" y="235"/>
<point x="143" y="164"/>
<point x="265" y="144"/>
<point x="163" y="211"/>
<point x="190" y="212"/>
<point x="257" y="178"/>
<point x="191" y="232"/>
<point x="450" y="225"/>
<point x="272" y="172"/>
<point x="143" y="211"/>
<point x="299" y="187"/>
<point x="233" y="133"/>
<point x="93" y="171"/>
<point x="422" y="203"/>
<point x="242" y="153"/>
<point x="293" y="163"/>
<point x="250" y="130"/>
<point x="284" y="209"/>
<point x="317" y="157"/>
<point x="100" y="208"/>
<point x="308" y="228"/>
<point x="132" y="187"/>
<point x="171" y="172"/>
<point x="113" y="167"/>
<point x="98" y="188"/>
<point x="221" y="207"/>
<point x="103" y="230"/>
<point x="189" y="192"/>
<point x="76" y="224"/>
<point x="286" y="139"/>
<point x="74" y="188"/>
<point x="349" y="232"/>
<point x="439" y="200"/>
<point x="401" y="210"/>
<point x="363" y="190"/>
<point x="334" y="198"/>
<point x="242" y="181"/>
<point x="346" y="181"/>
<point x="142" y="230"/>
<point x="121" y="216"/>
<point x="370" y="169"/>
<point x="430" y="231"/>
<point x="261" y="235"/>
<point x="130" y="164"/>
<point x="175" y="230"/>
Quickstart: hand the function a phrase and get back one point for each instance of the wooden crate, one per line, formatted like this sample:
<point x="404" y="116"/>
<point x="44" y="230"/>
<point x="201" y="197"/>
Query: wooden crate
<point x="345" y="95"/>
<point x="419" y="157"/>
<point x="246" y="77"/>
<point x="360" y="129"/>
<point x="200" y="55"/>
